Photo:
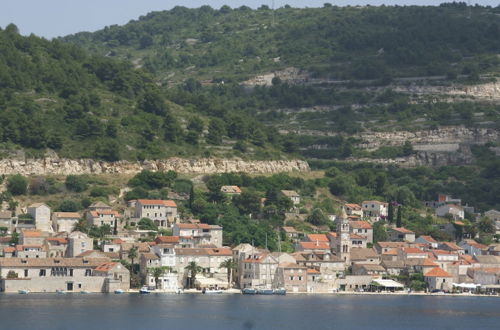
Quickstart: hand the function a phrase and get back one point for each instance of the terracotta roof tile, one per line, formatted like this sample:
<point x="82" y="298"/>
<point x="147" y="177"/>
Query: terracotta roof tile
<point x="437" y="272"/>
<point x="360" y="225"/>
<point x="314" y="245"/>
<point x="168" y="203"/>
<point x="317" y="237"/>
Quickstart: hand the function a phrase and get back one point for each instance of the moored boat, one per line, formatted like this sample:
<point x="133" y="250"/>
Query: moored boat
<point x="248" y="291"/>
<point x="118" y="291"/>
<point x="23" y="291"/>
<point x="144" y="290"/>
<point x="84" y="292"/>
<point x="61" y="291"/>
<point x="265" y="291"/>
<point x="279" y="291"/>
<point x="211" y="291"/>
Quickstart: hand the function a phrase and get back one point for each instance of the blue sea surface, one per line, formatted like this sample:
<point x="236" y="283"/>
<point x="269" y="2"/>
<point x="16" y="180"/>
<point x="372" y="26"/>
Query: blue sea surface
<point x="194" y="311"/>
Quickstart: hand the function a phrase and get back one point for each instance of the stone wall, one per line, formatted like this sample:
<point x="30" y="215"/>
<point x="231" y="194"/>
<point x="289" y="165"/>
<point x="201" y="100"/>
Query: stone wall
<point x="57" y="166"/>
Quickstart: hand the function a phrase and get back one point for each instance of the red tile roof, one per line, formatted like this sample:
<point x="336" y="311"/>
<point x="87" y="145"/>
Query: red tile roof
<point x="67" y="215"/>
<point x="354" y="236"/>
<point x="360" y="225"/>
<point x="437" y="272"/>
<point x="313" y="271"/>
<point x="167" y="239"/>
<point x="412" y="250"/>
<point x="32" y="233"/>
<point x="403" y="230"/>
<point x="428" y="238"/>
<point x="429" y="263"/>
<point x="353" y="206"/>
<point x="317" y="237"/>
<point x="8" y="249"/>
<point x="315" y="245"/>
<point x="96" y="213"/>
<point x="168" y="203"/>
<point x="106" y="267"/>
<point x="60" y="240"/>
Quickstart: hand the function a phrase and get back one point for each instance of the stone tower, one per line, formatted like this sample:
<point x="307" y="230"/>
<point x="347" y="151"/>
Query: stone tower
<point x="343" y="238"/>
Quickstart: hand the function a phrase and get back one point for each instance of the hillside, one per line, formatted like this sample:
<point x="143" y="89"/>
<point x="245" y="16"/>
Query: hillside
<point x="334" y="42"/>
<point x="56" y="96"/>
<point x="340" y="82"/>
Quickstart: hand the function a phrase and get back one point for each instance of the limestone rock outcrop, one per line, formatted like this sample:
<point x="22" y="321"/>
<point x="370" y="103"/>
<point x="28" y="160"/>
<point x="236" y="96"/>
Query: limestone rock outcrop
<point x="60" y="166"/>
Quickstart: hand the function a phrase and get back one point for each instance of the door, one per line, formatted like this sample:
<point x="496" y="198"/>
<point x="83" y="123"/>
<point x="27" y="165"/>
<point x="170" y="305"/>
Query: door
<point x="69" y="286"/>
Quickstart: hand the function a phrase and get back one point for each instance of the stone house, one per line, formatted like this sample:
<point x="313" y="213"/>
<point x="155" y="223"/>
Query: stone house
<point x="68" y="274"/>
<point x="358" y="241"/>
<point x="200" y="233"/>
<point x="374" y="210"/>
<point x="103" y="217"/>
<point x="210" y="259"/>
<point x="457" y="212"/>
<point x="258" y="270"/>
<point x="31" y="237"/>
<point x="362" y="228"/>
<point x="368" y="269"/>
<point x="291" y="233"/>
<point x="438" y="279"/>
<point x="240" y="253"/>
<point x="353" y="210"/>
<point x="65" y="221"/>
<point x="364" y="256"/>
<point x="31" y="251"/>
<point x="293" y="195"/>
<point x="313" y="247"/>
<point x="429" y="242"/>
<point x="6" y="221"/>
<point x="292" y="277"/>
<point x="99" y="206"/>
<point x="231" y="190"/>
<point x="401" y="235"/>
<point x="411" y="253"/>
<point x="41" y="215"/>
<point x="56" y="246"/>
<point x="78" y="243"/>
<point x="471" y="247"/>
<point x="452" y="247"/>
<point x="383" y="247"/>
<point x="162" y="212"/>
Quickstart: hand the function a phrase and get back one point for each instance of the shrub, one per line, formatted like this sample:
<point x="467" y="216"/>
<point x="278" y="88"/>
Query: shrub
<point x="17" y="185"/>
<point x="76" y="183"/>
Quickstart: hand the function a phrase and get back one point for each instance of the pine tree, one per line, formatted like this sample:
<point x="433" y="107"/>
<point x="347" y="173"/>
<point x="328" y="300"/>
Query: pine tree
<point x="191" y="197"/>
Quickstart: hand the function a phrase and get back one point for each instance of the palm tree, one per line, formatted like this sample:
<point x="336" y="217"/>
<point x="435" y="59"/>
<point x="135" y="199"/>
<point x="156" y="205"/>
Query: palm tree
<point x="132" y="254"/>
<point x="230" y="265"/>
<point x="157" y="272"/>
<point x="193" y="269"/>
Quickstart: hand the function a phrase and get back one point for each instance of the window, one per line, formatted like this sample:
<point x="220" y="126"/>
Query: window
<point x="300" y="278"/>
<point x="291" y="278"/>
<point x="71" y="272"/>
<point x="83" y="244"/>
<point x="79" y="285"/>
<point x="25" y="273"/>
<point x="88" y="272"/>
<point x="42" y="272"/>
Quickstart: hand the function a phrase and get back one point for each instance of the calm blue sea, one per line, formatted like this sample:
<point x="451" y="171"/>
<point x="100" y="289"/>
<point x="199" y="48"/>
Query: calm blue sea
<point x="160" y="311"/>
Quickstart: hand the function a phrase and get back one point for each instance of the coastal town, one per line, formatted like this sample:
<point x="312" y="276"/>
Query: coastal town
<point x="53" y="253"/>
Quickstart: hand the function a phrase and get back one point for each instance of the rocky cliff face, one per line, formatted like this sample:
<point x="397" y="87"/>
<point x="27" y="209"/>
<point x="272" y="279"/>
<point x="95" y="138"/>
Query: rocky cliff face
<point x="451" y="135"/>
<point x="56" y="166"/>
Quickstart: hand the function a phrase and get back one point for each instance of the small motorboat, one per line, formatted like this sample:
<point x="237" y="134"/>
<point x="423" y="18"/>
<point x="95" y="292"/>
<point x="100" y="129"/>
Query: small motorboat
<point x="265" y="291"/>
<point x="118" y="291"/>
<point x="144" y="290"/>
<point x="249" y="291"/>
<point x="84" y="292"/>
<point x="212" y="291"/>
<point x="279" y="291"/>
<point x="61" y="292"/>
<point x="23" y="291"/>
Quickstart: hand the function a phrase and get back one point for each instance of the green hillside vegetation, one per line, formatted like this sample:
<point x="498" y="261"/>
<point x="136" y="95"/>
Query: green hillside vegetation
<point x="337" y="42"/>
<point x="203" y="54"/>
<point x="55" y="95"/>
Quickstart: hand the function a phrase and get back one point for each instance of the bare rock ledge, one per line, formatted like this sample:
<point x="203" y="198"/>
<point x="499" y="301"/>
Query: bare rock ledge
<point x="60" y="166"/>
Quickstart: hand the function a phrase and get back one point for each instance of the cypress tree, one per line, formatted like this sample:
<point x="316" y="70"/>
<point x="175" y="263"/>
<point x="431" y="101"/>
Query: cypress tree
<point x="398" y="220"/>
<point x="390" y="213"/>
